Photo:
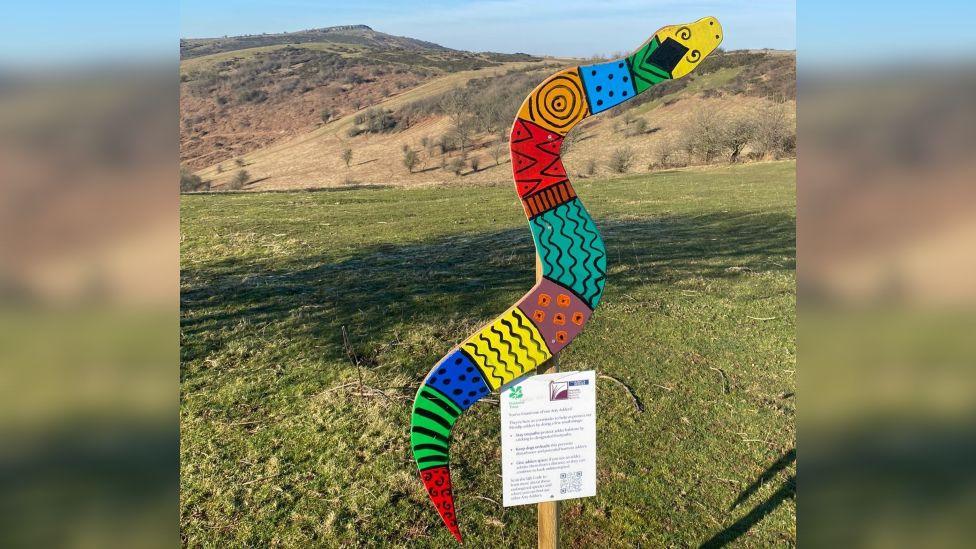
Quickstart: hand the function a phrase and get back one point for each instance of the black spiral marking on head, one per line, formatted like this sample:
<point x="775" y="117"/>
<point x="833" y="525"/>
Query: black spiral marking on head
<point x="559" y="102"/>
<point x="694" y="56"/>
<point x="684" y="33"/>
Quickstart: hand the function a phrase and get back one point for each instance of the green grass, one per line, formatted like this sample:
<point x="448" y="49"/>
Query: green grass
<point x="279" y="447"/>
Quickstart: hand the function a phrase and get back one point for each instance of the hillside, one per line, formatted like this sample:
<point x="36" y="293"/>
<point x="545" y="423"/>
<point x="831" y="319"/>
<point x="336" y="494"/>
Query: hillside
<point x="240" y="93"/>
<point x="652" y="127"/>
<point x="357" y="35"/>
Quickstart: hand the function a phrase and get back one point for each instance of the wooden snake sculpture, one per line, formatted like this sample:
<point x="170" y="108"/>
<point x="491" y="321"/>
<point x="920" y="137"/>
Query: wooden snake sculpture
<point x="568" y="245"/>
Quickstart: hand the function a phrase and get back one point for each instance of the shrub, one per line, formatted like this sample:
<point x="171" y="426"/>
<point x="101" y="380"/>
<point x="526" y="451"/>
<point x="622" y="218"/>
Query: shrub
<point x="190" y="182"/>
<point x="620" y="160"/>
<point x="353" y="131"/>
<point x="474" y="163"/>
<point x="376" y="120"/>
<point x="638" y="127"/>
<point x="239" y="180"/>
<point x="410" y="158"/>
<point x="665" y="153"/>
<point x="455" y="165"/>
<point x="447" y="143"/>
<point x="252" y="96"/>
<point x="347" y="156"/>
<point x="590" y="168"/>
<point x="239" y="162"/>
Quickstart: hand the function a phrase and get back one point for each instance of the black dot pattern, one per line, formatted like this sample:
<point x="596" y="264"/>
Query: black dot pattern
<point x="458" y="379"/>
<point x="607" y="84"/>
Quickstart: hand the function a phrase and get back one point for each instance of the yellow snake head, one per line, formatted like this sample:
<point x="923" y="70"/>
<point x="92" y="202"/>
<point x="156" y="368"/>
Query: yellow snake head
<point x="682" y="47"/>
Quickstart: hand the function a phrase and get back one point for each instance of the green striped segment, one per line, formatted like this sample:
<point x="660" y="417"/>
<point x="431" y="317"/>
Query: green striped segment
<point x="645" y="74"/>
<point x="430" y="424"/>
<point x="571" y="250"/>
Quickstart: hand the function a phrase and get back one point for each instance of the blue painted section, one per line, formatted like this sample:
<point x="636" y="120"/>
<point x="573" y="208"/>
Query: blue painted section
<point x="459" y="379"/>
<point x="607" y="84"/>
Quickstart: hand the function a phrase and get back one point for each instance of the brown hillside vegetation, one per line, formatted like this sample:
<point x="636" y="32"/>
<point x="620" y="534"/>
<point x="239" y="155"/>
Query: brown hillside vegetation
<point x="358" y="35"/>
<point x="236" y="100"/>
<point x="739" y="106"/>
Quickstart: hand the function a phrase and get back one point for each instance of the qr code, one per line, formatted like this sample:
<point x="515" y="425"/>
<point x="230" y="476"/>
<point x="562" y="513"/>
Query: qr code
<point x="571" y="482"/>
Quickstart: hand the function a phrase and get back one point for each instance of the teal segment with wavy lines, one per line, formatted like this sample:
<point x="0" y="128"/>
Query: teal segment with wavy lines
<point x="571" y="250"/>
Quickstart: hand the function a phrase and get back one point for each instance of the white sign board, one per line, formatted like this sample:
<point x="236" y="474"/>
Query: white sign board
<point x="549" y="438"/>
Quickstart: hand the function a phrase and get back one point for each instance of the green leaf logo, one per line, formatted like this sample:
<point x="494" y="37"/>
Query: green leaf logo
<point x="516" y="393"/>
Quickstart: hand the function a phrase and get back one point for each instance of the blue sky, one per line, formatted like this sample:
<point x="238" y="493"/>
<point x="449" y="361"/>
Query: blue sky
<point x="826" y="32"/>
<point x="564" y="27"/>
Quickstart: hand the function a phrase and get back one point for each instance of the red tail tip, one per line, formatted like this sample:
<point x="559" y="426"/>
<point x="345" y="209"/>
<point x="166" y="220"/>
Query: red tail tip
<point x="437" y="481"/>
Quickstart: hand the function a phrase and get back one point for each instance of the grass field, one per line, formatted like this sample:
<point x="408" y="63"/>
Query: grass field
<point x="281" y="447"/>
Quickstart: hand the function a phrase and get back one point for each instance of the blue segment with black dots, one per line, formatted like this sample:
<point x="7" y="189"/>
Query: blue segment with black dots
<point x="607" y="84"/>
<point x="459" y="379"/>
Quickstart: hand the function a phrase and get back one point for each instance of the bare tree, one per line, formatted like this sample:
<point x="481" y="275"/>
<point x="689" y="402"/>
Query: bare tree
<point x="775" y="131"/>
<point x="347" y="156"/>
<point x="456" y="104"/>
<point x="488" y="114"/>
<point x="475" y="163"/>
<point x="738" y="132"/>
<point x="497" y="150"/>
<point x="410" y="159"/>
<point x="702" y="135"/>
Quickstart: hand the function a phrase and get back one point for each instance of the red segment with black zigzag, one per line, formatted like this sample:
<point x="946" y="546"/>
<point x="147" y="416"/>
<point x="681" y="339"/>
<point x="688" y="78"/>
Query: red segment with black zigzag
<point x="437" y="481"/>
<point x="535" y="157"/>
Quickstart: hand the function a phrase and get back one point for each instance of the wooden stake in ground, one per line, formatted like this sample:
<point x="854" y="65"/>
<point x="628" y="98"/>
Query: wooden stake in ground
<point x="548" y="511"/>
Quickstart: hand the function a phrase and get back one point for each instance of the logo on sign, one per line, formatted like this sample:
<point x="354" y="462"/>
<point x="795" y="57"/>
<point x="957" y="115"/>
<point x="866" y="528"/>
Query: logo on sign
<point x="565" y="390"/>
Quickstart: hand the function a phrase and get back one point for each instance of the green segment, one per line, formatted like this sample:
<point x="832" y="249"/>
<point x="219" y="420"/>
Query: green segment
<point x="430" y="427"/>
<point x="645" y="74"/>
<point x="571" y="250"/>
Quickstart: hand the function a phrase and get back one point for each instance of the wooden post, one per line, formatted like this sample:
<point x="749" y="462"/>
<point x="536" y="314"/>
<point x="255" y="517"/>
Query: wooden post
<point x="549" y="510"/>
<point x="549" y="525"/>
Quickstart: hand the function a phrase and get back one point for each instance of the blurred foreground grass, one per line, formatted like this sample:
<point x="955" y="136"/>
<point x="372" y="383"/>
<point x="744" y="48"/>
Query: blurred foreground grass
<point x="279" y="446"/>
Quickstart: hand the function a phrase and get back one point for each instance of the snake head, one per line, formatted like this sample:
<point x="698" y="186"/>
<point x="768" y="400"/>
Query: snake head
<point x="682" y="47"/>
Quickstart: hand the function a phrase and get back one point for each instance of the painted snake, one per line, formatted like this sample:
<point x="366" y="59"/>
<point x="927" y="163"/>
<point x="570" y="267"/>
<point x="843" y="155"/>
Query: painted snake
<point x="568" y="245"/>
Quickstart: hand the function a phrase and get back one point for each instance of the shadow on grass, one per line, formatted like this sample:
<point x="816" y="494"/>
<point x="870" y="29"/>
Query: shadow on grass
<point x="786" y="491"/>
<point x="388" y="287"/>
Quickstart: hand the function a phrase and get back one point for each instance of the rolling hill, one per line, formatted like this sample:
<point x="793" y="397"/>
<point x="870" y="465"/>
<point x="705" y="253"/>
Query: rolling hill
<point x="285" y="108"/>
<point x="355" y="35"/>
<point x="240" y="93"/>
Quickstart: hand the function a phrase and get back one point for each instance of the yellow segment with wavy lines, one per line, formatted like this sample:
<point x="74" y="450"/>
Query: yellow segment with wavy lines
<point x="508" y="348"/>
